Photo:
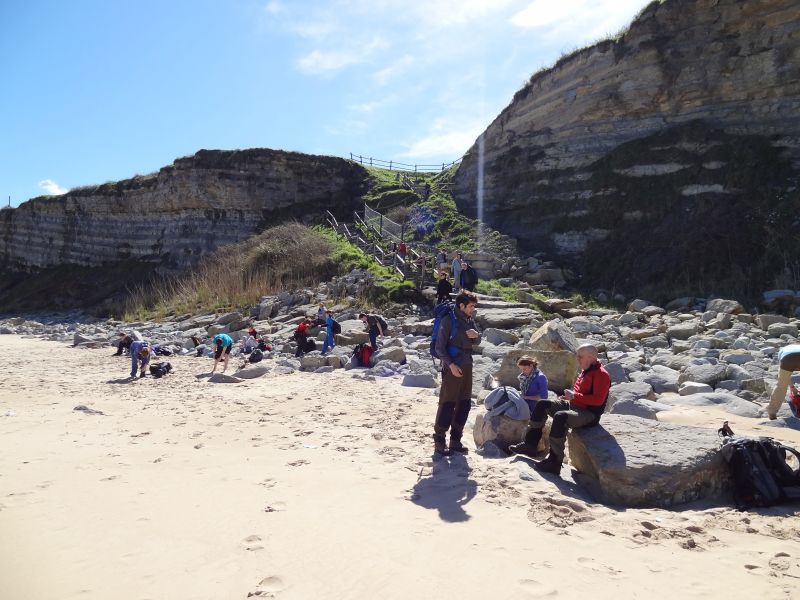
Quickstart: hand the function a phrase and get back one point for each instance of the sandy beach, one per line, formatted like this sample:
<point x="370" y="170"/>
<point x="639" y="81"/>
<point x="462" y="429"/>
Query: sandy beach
<point x="323" y="486"/>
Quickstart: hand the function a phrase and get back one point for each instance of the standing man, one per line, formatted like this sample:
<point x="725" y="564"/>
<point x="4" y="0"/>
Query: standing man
<point x="469" y="278"/>
<point x="223" y="343"/>
<point x="441" y="260"/>
<point x="455" y="395"/>
<point x="140" y="357"/>
<point x="457" y="272"/>
<point x="579" y="407"/>
<point x="329" y="342"/>
<point x="789" y="359"/>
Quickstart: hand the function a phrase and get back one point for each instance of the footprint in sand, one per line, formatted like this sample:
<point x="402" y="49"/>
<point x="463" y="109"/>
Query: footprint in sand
<point x="251" y="543"/>
<point x="268" y="587"/>
<point x="298" y="463"/>
<point x="593" y="564"/>
<point x="780" y="562"/>
<point x="536" y="589"/>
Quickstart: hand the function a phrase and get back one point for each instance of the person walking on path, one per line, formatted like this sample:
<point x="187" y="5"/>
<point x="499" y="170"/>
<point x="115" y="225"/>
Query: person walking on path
<point x="457" y="272"/>
<point x="443" y="289"/>
<point x="581" y="406"/>
<point x="789" y="360"/>
<point x="222" y="343"/>
<point x="140" y="357"/>
<point x="330" y="341"/>
<point x="455" y="395"/>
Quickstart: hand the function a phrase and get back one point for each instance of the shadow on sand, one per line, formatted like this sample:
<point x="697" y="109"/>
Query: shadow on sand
<point x="447" y="489"/>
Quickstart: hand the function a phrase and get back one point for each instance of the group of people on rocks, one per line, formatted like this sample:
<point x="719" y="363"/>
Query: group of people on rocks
<point x="580" y="406"/>
<point x="464" y="276"/>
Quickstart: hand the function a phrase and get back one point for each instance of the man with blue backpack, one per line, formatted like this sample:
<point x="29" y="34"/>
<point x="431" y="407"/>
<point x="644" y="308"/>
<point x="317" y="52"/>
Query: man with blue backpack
<point x="454" y="335"/>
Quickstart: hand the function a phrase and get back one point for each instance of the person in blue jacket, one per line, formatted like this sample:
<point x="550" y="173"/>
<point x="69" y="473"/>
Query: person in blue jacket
<point x="532" y="388"/>
<point x="140" y="357"/>
<point x="329" y="342"/>
<point x="222" y="343"/>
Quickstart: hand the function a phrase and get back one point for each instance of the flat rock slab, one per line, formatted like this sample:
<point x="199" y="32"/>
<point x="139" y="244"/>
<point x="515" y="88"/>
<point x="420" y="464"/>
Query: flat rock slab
<point x="504" y="318"/>
<point x="728" y="402"/>
<point x="628" y="461"/>
<point x="223" y="378"/>
<point x="252" y="371"/>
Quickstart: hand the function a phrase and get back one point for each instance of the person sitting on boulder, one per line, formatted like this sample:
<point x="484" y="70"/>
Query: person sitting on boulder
<point x="140" y="357"/>
<point x="532" y="382"/>
<point x="223" y="343"/>
<point x="789" y="360"/>
<point x="443" y="289"/>
<point x="579" y="407"/>
<point x="124" y="343"/>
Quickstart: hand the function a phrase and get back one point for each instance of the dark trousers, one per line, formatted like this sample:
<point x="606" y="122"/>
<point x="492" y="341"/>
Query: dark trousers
<point x="455" y="401"/>
<point x="373" y="338"/>
<point x="565" y="417"/>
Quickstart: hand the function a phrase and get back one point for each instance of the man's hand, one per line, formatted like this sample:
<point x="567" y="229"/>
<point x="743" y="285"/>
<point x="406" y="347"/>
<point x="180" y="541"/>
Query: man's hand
<point x="455" y="370"/>
<point x="569" y="394"/>
<point x="472" y="334"/>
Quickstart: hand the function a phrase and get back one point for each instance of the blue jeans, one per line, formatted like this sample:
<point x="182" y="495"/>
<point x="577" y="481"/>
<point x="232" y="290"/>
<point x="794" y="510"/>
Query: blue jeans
<point x="328" y="343"/>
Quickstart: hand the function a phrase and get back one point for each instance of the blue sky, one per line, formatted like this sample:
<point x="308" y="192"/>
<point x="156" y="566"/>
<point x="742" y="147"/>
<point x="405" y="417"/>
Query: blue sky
<point x="99" y="91"/>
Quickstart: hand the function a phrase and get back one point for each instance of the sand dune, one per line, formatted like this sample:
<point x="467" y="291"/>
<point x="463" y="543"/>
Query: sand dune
<point x="322" y="486"/>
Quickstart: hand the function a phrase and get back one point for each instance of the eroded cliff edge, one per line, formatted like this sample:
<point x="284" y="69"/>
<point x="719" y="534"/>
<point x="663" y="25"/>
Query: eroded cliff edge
<point x="667" y="158"/>
<point x="173" y="217"/>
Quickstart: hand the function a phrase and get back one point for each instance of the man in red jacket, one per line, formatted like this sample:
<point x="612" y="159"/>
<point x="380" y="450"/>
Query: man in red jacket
<point x="579" y="407"/>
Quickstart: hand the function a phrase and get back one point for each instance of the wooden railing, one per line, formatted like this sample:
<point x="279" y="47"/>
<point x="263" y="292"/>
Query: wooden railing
<point x="393" y="164"/>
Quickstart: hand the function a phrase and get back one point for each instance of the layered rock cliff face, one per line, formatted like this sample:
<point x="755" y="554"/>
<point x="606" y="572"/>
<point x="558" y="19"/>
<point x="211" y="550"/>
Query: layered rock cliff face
<point x="666" y="158"/>
<point x="184" y="211"/>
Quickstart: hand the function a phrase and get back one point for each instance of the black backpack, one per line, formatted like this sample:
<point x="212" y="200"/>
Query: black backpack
<point x="160" y="369"/>
<point x="761" y="474"/>
<point x="256" y="356"/>
<point x="382" y="321"/>
<point x="337" y="328"/>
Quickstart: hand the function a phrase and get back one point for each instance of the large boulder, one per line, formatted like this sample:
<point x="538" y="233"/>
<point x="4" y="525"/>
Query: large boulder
<point x="704" y="373"/>
<point x="553" y="336"/>
<point x="393" y="353"/>
<point x="682" y="331"/>
<point x="662" y="379"/>
<point x="764" y="321"/>
<point x="721" y="305"/>
<point x="779" y="329"/>
<point x="498" y="336"/>
<point x="252" y="371"/>
<point x="638" y="407"/>
<point x="504" y="431"/>
<point x="633" y="462"/>
<point x="634" y="390"/>
<point x="418" y="327"/>
<point x="504" y="318"/>
<point x="559" y="367"/>
<point x="421" y="380"/>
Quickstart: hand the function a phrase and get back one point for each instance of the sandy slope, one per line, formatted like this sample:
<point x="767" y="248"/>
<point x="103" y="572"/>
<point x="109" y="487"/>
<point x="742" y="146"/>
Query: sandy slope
<point x="319" y="486"/>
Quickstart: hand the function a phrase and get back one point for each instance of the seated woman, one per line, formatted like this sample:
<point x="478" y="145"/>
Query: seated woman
<point x="532" y="382"/>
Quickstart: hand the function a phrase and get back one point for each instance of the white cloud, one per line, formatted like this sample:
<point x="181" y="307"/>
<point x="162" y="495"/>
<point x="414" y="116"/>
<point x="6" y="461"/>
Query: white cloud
<point x="398" y="67"/>
<point x="446" y="141"/>
<point x="274" y="7"/>
<point x="318" y="62"/>
<point x="579" y="21"/>
<point x="52" y="188"/>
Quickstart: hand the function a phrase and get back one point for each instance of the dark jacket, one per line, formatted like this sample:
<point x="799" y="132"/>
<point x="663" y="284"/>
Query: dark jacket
<point x="469" y="278"/>
<point x="459" y="341"/>
<point x="443" y="288"/>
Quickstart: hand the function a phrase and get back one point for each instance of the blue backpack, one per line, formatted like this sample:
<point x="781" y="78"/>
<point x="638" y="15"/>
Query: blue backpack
<point x="439" y="313"/>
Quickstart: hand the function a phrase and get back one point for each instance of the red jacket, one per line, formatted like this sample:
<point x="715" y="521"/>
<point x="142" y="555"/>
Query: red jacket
<point x="591" y="387"/>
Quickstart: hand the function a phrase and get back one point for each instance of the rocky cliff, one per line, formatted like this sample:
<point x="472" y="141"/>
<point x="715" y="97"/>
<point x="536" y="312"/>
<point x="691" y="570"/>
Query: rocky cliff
<point x="185" y="210"/>
<point x="665" y="158"/>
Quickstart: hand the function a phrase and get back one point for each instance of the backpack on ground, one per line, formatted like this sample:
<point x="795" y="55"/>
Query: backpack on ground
<point x="256" y="356"/>
<point x="337" y="328"/>
<point x="761" y="474"/>
<point x="310" y="345"/>
<point x="160" y="369"/>
<point x="440" y="312"/>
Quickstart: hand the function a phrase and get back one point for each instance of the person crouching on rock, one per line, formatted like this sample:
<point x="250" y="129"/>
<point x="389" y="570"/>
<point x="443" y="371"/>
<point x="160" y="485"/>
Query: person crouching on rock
<point x="124" y="343"/>
<point x="532" y="388"/>
<point x="223" y="343"/>
<point x="455" y="395"/>
<point x="579" y="407"/>
<point x="140" y="357"/>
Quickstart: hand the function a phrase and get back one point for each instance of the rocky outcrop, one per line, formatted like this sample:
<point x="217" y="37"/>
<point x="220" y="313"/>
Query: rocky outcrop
<point x="666" y="156"/>
<point x="180" y="213"/>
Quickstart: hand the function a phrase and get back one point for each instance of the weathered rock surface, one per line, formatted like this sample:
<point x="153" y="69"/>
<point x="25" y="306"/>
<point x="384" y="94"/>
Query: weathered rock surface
<point x="504" y="318"/>
<point x="628" y="461"/>
<point x="728" y="402"/>
<point x="504" y="431"/>
<point x="614" y="146"/>
<point x="553" y="336"/>
<point x="252" y="371"/>
<point x="560" y="368"/>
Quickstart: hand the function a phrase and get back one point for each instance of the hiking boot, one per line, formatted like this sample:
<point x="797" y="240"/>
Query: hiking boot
<point x="439" y="448"/>
<point x="551" y="464"/>
<point x="523" y="448"/>
<point x="457" y="446"/>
